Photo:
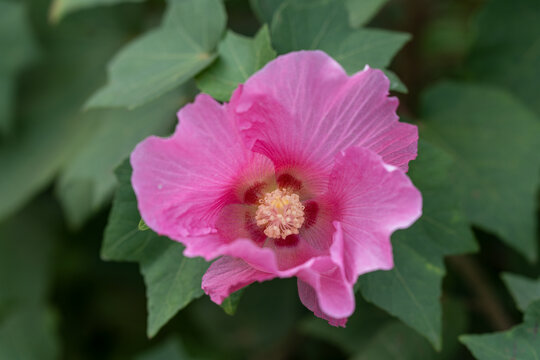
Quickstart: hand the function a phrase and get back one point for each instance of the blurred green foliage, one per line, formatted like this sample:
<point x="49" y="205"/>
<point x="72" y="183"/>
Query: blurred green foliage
<point x="137" y="61"/>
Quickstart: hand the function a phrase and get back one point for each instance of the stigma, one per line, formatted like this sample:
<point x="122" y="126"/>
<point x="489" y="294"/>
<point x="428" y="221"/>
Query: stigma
<point x="280" y="213"/>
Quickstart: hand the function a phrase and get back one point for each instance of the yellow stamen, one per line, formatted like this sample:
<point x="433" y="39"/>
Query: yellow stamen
<point x="280" y="213"/>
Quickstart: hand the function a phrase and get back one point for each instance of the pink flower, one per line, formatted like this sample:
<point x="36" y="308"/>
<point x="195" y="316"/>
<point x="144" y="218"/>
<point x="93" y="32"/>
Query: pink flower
<point x="301" y="174"/>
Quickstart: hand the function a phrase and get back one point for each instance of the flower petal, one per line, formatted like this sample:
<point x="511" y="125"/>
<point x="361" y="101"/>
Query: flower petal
<point x="372" y="200"/>
<point x="325" y="273"/>
<point x="183" y="182"/>
<point x="302" y="109"/>
<point x="227" y="275"/>
<point x="308" y="297"/>
<point x="335" y="295"/>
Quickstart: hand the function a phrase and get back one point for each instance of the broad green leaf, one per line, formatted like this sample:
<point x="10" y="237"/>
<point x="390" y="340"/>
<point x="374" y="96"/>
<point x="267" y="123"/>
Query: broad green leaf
<point x="18" y="50"/>
<point x="323" y="24"/>
<point x="419" y="251"/>
<point x="494" y="141"/>
<point x="48" y="126"/>
<point x="61" y="8"/>
<point x="361" y="11"/>
<point x="29" y="333"/>
<point x="164" y="58"/>
<point x="87" y="181"/>
<point x="524" y="290"/>
<point x="265" y="9"/>
<point x="520" y="343"/>
<point x="509" y="55"/>
<point x="172" y="280"/>
<point x="170" y="349"/>
<point x="239" y="58"/>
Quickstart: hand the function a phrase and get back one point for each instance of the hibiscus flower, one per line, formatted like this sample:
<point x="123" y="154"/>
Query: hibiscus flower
<point x="302" y="173"/>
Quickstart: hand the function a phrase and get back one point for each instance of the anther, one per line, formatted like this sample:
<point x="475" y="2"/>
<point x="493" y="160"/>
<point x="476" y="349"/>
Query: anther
<point x="280" y="213"/>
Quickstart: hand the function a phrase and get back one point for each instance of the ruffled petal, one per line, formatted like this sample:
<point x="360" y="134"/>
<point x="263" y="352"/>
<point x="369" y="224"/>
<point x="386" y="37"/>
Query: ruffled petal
<point x="302" y="109"/>
<point x="308" y="297"/>
<point x="183" y="182"/>
<point x="246" y="262"/>
<point x="372" y="200"/>
<point x="326" y="276"/>
<point x="227" y="275"/>
<point x="364" y="115"/>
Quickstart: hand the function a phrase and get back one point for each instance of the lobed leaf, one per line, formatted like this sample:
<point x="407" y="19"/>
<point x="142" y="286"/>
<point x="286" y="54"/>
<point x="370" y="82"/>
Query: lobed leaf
<point x="524" y="290"/>
<point x="239" y="58"/>
<point x="494" y="141"/>
<point x="361" y="11"/>
<point x="165" y="58"/>
<point x="323" y="24"/>
<point x="419" y="251"/>
<point x="521" y="342"/>
<point x="87" y="180"/>
<point x="172" y="280"/>
<point x="509" y="55"/>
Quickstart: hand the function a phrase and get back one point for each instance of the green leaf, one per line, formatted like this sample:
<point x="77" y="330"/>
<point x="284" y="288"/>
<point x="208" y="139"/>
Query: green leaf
<point x="361" y="327"/>
<point x="524" y="290"/>
<point x="265" y="9"/>
<point x="375" y="48"/>
<point x="361" y="11"/>
<point x="396" y="341"/>
<point x="87" y="181"/>
<point x="372" y="334"/>
<point x="18" y="50"/>
<point x="29" y="334"/>
<point x="494" y="142"/>
<point x="142" y="226"/>
<point x="61" y="8"/>
<point x="509" y="55"/>
<point x="172" y="280"/>
<point x="419" y="251"/>
<point x="164" y="58"/>
<point x="239" y="58"/>
<point x="521" y="342"/>
<point x="170" y="349"/>
<point x="16" y="42"/>
<point x="230" y="304"/>
<point x="323" y="24"/>
<point x="27" y="325"/>
<point x="48" y="126"/>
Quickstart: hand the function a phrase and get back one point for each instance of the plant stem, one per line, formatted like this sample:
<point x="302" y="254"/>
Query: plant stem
<point x="485" y="296"/>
